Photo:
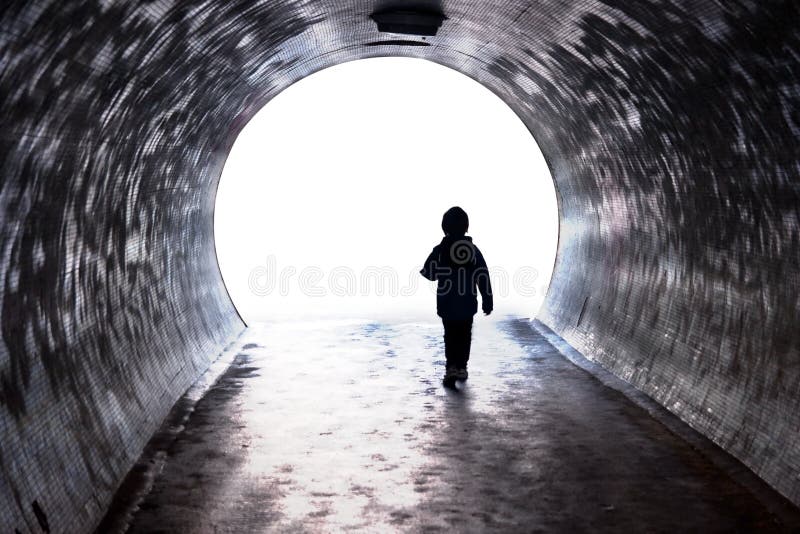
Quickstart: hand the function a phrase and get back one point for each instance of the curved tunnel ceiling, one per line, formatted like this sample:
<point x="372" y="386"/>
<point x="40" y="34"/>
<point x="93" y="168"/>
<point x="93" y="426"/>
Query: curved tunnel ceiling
<point x="671" y="129"/>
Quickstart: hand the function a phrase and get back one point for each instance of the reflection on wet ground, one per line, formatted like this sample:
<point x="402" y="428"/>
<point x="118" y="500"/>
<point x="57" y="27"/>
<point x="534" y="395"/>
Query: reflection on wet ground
<point x="344" y="425"/>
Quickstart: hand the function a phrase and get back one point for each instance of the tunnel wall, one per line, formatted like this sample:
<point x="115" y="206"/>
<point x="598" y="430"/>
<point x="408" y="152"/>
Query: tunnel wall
<point x="111" y="304"/>
<point x="680" y="220"/>
<point x="670" y="127"/>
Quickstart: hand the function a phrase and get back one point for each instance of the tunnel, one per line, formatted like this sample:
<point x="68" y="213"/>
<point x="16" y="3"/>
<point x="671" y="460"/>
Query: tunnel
<point x="670" y="128"/>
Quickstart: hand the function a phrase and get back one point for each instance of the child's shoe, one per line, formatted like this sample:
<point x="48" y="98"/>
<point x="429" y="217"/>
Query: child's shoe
<point x="450" y="377"/>
<point x="461" y="374"/>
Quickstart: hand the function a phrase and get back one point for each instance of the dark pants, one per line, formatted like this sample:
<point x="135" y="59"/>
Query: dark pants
<point x="457" y="340"/>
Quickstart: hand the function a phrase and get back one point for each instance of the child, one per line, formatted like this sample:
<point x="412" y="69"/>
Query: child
<point x="460" y="271"/>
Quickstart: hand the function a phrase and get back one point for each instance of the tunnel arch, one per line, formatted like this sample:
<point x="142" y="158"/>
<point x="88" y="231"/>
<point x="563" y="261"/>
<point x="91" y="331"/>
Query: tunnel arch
<point x="395" y="141"/>
<point x="670" y="129"/>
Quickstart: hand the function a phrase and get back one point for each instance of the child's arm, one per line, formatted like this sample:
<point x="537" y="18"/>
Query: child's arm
<point x="484" y="283"/>
<point x="429" y="267"/>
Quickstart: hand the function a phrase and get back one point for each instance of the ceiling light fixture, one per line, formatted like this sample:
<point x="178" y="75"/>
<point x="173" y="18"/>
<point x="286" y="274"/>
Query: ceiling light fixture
<point x="408" y="22"/>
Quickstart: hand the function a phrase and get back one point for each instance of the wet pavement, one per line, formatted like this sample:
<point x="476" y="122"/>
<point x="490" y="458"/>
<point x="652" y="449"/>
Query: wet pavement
<point x="344" y="426"/>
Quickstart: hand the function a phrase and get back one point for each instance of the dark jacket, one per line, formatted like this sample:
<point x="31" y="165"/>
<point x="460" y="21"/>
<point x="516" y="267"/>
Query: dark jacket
<point x="460" y="271"/>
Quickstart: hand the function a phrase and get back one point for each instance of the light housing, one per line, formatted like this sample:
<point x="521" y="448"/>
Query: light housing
<point x="408" y="22"/>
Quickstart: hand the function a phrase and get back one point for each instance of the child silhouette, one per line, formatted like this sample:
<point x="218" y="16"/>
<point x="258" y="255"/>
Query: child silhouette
<point x="460" y="272"/>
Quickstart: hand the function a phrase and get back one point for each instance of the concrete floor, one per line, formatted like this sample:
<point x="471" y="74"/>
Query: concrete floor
<point x="339" y="426"/>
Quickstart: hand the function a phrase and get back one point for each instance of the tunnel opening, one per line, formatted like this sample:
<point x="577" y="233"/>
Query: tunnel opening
<point x="344" y="232"/>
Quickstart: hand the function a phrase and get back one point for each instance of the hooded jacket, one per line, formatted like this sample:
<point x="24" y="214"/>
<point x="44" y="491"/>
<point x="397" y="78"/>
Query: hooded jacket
<point x="460" y="272"/>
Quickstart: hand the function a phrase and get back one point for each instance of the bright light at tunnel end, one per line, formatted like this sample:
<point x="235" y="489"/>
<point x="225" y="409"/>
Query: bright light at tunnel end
<point x="332" y="195"/>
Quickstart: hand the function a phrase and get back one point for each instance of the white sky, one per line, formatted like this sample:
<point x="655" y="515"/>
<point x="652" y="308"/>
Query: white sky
<point x="337" y="188"/>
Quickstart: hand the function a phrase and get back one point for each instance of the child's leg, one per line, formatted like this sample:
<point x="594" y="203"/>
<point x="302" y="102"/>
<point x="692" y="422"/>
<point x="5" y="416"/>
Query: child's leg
<point x="467" y="343"/>
<point x="450" y="342"/>
<point x="464" y="342"/>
